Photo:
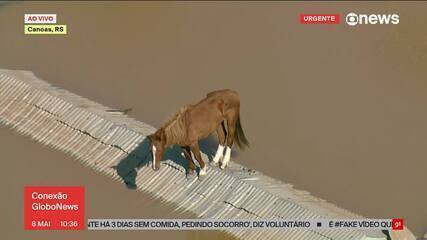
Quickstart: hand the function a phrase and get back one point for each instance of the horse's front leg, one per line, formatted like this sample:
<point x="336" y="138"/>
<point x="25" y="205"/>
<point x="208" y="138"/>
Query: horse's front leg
<point x="191" y="165"/>
<point x="196" y="151"/>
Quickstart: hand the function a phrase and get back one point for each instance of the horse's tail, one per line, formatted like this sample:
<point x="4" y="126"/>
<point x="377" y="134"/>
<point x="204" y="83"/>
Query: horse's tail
<point x="240" y="137"/>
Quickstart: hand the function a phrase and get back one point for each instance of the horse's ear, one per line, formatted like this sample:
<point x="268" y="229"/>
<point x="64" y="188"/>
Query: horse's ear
<point x="154" y="137"/>
<point x="150" y="137"/>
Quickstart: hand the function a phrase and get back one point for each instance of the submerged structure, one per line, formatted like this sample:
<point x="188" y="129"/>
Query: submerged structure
<point x="115" y="145"/>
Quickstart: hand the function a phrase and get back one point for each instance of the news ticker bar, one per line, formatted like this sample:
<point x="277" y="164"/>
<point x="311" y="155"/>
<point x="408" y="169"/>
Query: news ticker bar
<point x="224" y="224"/>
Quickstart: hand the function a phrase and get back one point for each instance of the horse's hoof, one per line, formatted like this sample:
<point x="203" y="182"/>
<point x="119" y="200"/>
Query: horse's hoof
<point x="214" y="164"/>
<point x="223" y="166"/>
<point x="217" y="160"/>
<point x="190" y="174"/>
<point x="201" y="177"/>
<point x="203" y="171"/>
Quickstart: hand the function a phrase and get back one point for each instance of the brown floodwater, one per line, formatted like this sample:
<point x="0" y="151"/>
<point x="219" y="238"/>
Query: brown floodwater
<point x="335" y="110"/>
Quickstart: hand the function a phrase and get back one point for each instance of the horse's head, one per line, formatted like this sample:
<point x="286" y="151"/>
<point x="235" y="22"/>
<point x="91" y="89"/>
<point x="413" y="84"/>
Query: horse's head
<point x="158" y="142"/>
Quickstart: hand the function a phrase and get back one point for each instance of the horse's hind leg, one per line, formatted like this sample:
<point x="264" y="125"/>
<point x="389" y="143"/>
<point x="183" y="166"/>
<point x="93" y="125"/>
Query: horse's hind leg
<point x="191" y="166"/>
<point x="222" y="133"/>
<point x="196" y="151"/>
<point x="231" y="126"/>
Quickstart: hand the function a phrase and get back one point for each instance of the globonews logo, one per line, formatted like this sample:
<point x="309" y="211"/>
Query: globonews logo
<point x="353" y="19"/>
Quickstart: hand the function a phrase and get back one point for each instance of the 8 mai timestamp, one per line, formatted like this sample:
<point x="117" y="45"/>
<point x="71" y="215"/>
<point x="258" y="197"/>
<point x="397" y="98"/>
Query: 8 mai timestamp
<point x="62" y="224"/>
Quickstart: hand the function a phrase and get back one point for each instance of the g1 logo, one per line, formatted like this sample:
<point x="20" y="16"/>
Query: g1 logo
<point x="397" y="224"/>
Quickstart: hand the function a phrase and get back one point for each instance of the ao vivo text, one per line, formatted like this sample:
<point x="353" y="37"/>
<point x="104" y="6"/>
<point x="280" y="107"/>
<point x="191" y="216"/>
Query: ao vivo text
<point x="39" y="18"/>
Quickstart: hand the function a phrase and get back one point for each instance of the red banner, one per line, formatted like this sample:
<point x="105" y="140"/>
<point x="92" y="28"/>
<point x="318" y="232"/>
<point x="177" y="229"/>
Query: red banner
<point x="319" y="18"/>
<point x="54" y="208"/>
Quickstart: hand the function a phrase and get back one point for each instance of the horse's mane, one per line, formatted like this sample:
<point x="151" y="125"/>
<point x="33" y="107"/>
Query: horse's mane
<point x="175" y="127"/>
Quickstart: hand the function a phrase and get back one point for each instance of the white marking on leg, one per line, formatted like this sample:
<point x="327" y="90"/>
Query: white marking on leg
<point x="154" y="157"/>
<point x="219" y="153"/>
<point x="226" y="158"/>
<point x="203" y="171"/>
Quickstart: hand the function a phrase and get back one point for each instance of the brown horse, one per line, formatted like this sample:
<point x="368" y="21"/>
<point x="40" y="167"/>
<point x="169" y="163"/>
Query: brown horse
<point x="194" y="122"/>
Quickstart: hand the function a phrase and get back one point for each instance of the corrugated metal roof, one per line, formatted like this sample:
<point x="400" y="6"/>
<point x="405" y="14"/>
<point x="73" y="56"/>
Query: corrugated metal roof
<point x="100" y="140"/>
